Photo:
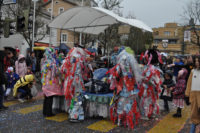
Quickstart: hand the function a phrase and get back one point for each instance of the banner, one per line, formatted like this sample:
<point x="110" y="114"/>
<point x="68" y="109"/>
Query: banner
<point x="187" y="36"/>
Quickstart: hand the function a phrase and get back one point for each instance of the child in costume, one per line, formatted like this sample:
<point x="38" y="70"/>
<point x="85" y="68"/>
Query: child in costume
<point x="167" y="86"/>
<point x="51" y="81"/>
<point x="11" y="80"/>
<point x="151" y="84"/>
<point x="123" y="77"/>
<point x="179" y="91"/>
<point x="24" y="85"/>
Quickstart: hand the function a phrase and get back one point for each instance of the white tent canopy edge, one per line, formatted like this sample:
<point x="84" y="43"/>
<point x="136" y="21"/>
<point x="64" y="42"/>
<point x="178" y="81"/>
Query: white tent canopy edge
<point x="92" y="20"/>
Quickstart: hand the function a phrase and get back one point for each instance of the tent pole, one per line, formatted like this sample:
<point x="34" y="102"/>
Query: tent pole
<point x="105" y="44"/>
<point x="60" y="38"/>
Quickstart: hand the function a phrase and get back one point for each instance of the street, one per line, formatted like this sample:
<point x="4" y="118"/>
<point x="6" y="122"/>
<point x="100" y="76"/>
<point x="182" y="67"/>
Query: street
<point x="27" y="117"/>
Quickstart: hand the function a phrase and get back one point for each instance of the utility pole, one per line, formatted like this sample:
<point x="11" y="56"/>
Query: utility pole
<point x="33" y="40"/>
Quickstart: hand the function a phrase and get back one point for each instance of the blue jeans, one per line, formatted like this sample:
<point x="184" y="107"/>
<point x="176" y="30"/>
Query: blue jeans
<point x="192" y="128"/>
<point x="1" y="96"/>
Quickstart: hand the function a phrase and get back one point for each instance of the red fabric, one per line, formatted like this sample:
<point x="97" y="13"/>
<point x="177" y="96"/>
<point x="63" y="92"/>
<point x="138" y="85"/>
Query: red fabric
<point x="45" y="1"/>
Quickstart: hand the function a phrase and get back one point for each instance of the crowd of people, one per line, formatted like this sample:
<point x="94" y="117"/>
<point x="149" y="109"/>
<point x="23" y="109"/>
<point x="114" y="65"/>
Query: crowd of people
<point x="16" y="70"/>
<point x="179" y="85"/>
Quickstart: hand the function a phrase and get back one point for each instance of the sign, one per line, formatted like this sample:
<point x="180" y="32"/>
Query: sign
<point x="187" y="36"/>
<point x="124" y="29"/>
<point x="9" y="2"/>
<point x="165" y="43"/>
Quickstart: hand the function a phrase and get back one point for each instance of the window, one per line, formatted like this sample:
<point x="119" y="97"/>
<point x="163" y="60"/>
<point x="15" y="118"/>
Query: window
<point x="49" y="9"/>
<point x="167" y="33"/>
<point x="61" y="9"/>
<point x="64" y="38"/>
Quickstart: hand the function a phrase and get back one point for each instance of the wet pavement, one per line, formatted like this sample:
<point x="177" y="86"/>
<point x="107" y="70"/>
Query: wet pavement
<point x="27" y="118"/>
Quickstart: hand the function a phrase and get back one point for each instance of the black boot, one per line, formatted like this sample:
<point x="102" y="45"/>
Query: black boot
<point x="178" y="113"/>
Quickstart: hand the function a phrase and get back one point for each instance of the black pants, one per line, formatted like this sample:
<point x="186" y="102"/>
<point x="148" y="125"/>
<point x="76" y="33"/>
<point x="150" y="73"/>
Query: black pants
<point x="25" y="91"/>
<point x="166" y="106"/>
<point x="47" y="106"/>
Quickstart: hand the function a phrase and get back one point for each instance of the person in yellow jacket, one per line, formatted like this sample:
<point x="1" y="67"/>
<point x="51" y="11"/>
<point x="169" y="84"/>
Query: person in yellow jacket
<point x="193" y="92"/>
<point x="22" y="82"/>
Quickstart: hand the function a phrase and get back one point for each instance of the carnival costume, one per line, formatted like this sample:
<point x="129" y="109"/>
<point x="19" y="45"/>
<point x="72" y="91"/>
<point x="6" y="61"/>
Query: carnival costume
<point x="123" y="79"/>
<point x="51" y="80"/>
<point x="75" y="69"/>
<point x="150" y="87"/>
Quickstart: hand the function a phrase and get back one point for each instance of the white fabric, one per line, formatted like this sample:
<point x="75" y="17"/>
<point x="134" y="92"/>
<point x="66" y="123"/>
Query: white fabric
<point x="196" y="80"/>
<point x="8" y="91"/>
<point x="95" y="16"/>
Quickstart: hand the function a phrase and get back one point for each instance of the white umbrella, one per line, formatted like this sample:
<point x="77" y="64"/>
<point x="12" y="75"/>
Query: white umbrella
<point x="92" y="20"/>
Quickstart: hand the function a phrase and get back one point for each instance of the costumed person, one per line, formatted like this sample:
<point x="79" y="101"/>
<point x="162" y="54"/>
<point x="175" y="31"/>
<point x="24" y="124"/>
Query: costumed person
<point x="179" y="92"/>
<point x="123" y="78"/>
<point x="167" y="86"/>
<point x="24" y="85"/>
<point x="11" y="80"/>
<point x="51" y="81"/>
<point x="150" y="87"/>
<point x="76" y="71"/>
<point x="193" y="92"/>
<point x="20" y="66"/>
<point x="2" y="82"/>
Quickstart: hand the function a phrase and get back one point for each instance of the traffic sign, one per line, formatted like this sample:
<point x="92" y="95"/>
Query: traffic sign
<point x="5" y="2"/>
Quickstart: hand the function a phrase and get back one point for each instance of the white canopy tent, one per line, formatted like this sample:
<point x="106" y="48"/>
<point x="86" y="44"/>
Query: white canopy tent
<point x="92" y="20"/>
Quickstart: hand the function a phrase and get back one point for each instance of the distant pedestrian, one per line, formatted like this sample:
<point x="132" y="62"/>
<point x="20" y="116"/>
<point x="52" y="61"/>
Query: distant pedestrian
<point x="179" y="91"/>
<point x="20" y="66"/>
<point x="193" y="92"/>
<point x="33" y="62"/>
<point x="2" y="82"/>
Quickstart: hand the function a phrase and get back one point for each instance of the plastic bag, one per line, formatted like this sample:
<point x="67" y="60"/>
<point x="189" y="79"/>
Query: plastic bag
<point x="34" y="91"/>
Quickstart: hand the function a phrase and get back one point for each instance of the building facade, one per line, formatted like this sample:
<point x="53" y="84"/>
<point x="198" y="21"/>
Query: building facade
<point x="174" y="39"/>
<point x="59" y="36"/>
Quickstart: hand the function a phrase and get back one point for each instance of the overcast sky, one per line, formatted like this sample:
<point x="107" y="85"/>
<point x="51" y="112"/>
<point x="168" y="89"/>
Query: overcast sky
<point x="155" y="12"/>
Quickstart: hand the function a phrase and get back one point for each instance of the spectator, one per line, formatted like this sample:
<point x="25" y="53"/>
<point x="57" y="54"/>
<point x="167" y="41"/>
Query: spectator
<point x="8" y="60"/>
<point x="177" y="66"/>
<point x="193" y="92"/>
<point x="33" y="62"/>
<point x="179" y="91"/>
<point x="20" y="66"/>
<point x="189" y="66"/>
<point x="2" y="82"/>
<point x="99" y="51"/>
<point x="28" y="59"/>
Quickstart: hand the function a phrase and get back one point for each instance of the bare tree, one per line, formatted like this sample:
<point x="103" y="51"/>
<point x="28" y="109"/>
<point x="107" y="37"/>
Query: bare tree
<point x="14" y="10"/>
<point x="192" y="15"/>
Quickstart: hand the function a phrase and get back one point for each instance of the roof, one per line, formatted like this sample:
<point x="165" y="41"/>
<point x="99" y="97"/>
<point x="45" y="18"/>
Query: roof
<point x="68" y="1"/>
<point x="92" y="20"/>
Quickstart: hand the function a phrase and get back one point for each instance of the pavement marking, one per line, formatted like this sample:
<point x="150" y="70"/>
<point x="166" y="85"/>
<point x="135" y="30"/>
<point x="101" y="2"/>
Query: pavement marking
<point x="58" y="118"/>
<point x="171" y="125"/>
<point x="10" y="103"/>
<point x="29" y="109"/>
<point x="102" y="126"/>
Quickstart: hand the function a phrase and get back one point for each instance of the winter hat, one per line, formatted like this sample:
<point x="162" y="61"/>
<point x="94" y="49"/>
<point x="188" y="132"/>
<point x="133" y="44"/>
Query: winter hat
<point x="10" y="69"/>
